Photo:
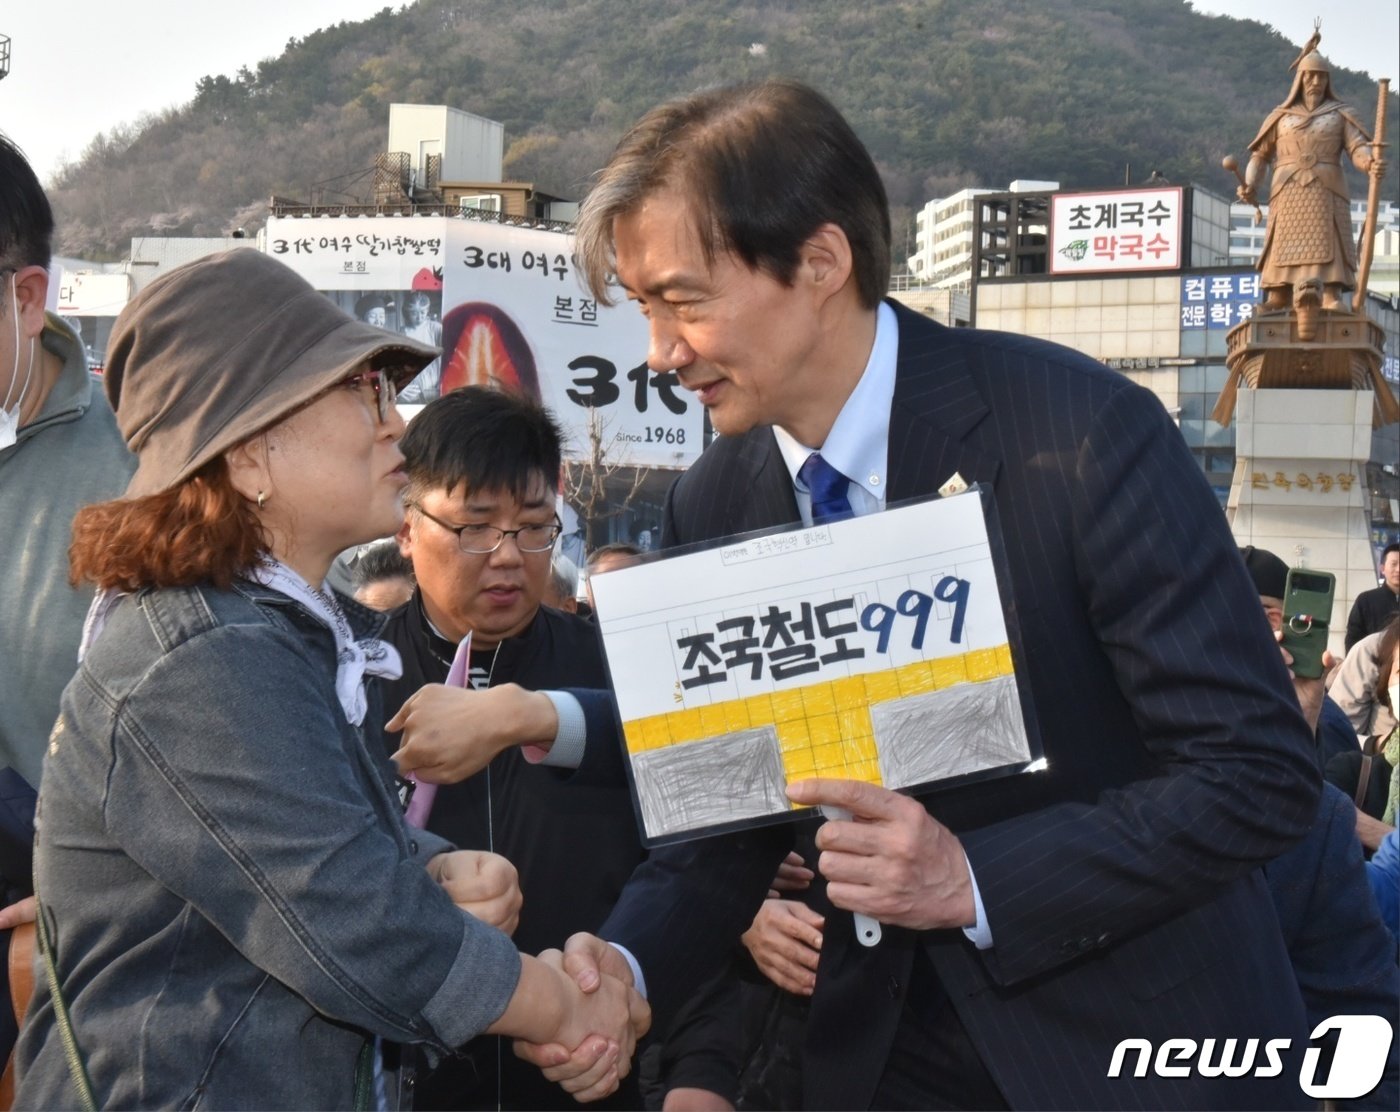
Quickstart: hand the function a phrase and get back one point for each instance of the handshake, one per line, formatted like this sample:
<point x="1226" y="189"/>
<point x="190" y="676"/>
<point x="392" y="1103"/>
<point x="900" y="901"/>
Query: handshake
<point x="592" y="1017"/>
<point x="590" y="1051"/>
<point x="576" y="1014"/>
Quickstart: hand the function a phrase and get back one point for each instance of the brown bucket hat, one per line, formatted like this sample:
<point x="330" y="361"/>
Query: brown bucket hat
<point x="221" y="348"/>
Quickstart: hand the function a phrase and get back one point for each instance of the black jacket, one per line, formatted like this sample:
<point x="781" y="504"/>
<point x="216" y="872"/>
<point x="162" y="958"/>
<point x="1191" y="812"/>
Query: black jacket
<point x="1371" y="613"/>
<point x="535" y="817"/>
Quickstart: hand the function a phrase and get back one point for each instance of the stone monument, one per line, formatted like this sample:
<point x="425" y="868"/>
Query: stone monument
<point x="1305" y="385"/>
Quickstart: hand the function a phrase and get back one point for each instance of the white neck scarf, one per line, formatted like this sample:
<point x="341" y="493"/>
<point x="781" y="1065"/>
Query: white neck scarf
<point x="353" y="659"/>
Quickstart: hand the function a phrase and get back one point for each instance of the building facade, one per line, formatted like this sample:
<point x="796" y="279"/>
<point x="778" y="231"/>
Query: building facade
<point x="943" y="235"/>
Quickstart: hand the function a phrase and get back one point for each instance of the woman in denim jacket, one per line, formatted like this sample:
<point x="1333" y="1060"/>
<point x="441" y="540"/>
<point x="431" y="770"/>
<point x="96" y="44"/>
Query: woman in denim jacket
<point x="237" y="914"/>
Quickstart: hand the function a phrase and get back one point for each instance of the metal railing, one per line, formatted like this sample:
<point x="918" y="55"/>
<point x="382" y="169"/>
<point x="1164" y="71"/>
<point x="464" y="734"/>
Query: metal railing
<point x="279" y="206"/>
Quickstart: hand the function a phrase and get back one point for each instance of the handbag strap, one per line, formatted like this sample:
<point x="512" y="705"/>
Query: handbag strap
<point x="76" y="1070"/>
<point x="1369" y="748"/>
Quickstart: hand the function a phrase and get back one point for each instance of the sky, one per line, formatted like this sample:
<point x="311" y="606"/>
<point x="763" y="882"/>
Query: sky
<point x="85" y="66"/>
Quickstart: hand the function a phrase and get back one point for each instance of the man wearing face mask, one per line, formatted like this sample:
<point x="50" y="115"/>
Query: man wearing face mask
<point x="59" y="450"/>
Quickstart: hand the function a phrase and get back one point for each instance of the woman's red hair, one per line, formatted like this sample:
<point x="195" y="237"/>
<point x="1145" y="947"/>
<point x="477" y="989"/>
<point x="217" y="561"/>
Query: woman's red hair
<point x="202" y="531"/>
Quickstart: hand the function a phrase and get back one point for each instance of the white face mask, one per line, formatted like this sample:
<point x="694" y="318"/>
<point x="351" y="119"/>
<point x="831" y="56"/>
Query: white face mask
<point x="9" y="414"/>
<point x="1394" y="692"/>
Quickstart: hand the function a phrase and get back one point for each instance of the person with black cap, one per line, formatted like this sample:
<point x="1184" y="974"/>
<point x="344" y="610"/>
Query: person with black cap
<point x="232" y="911"/>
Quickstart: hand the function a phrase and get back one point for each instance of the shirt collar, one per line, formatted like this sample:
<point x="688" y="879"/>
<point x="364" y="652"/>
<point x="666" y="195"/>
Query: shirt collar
<point x="858" y="444"/>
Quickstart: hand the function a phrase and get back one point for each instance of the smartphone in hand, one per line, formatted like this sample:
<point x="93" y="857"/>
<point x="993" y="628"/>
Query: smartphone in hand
<point x="1307" y="611"/>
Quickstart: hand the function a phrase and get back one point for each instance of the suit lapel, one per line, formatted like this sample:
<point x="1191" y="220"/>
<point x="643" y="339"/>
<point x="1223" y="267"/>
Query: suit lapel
<point x="936" y="407"/>
<point x="769" y="500"/>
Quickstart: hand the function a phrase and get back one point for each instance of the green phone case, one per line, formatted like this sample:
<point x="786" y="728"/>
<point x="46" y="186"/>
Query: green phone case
<point x="1307" y="610"/>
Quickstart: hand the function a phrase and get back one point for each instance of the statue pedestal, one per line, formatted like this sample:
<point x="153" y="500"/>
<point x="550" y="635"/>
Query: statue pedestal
<point x="1300" y="485"/>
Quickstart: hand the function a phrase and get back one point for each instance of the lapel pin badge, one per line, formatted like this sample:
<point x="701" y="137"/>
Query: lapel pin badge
<point x="955" y="485"/>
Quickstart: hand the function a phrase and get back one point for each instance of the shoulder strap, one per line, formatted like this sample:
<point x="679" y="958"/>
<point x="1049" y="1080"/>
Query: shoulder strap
<point x="1369" y="748"/>
<point x="76" y="1070"/>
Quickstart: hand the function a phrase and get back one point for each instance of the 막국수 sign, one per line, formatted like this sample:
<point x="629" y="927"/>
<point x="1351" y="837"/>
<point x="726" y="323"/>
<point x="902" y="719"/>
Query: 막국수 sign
<point x="873" y="649"/>
<point x="1127" y="229"/>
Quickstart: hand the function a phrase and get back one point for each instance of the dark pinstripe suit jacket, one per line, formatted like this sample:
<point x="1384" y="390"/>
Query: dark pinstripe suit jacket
<point x="1120" y="884"/>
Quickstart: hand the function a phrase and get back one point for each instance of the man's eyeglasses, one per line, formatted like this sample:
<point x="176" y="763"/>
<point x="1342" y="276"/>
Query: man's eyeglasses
<point x="482" y="540"/>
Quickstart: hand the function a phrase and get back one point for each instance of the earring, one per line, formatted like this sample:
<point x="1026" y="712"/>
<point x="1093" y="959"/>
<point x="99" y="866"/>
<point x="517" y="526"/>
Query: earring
<point x="262" y="499"/>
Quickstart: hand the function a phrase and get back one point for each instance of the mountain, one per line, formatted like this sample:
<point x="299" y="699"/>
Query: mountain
<point x="946" y="93"/>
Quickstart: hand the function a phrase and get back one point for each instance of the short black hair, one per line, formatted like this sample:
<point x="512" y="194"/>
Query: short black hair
<point x="482" y="439"/>
<point x="763" y="165"/>
<point x="26" y="220"/>
<point x="380" y="560"/>
<point x="617" y="548"/>
<point x="1393" y="546"/>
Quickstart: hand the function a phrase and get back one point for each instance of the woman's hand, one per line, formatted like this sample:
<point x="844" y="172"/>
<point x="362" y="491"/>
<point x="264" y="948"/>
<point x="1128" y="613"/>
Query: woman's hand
<point x="484" y="885"/>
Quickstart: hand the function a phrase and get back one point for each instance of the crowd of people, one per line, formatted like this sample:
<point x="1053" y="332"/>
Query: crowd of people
<point x="298" y="849"/>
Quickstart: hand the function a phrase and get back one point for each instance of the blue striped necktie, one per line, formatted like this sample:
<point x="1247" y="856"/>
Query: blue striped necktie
<point x="828" y="487"/>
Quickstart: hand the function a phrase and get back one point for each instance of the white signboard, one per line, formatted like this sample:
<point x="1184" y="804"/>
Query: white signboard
<point x="871" y="649"/>
<point x="365" y="254"/>
<point x="590" y="359"/>
<point x="506" y="306"/>
<point x="92" y="295"/>
<point x="1127" y="229"/>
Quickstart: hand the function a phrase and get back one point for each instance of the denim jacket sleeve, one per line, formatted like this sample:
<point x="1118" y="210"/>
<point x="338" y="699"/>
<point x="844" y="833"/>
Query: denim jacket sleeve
<point x="237" y="783"/>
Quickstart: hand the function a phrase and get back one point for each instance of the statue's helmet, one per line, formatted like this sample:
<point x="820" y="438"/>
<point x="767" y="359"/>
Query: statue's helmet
<point x="1311" y="62"/>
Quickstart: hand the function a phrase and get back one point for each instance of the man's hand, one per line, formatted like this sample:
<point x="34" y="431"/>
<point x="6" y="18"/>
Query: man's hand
<point x="484" y="885"/>
<point x="793" y="876"/>
<point x="603" y="1055"/>
<point x="1310" y="692"/>
<point x="21" y="911"/>
<point x="893" y="861"/>
<point x="450" y="733"/>
<point x="785" y="942"/>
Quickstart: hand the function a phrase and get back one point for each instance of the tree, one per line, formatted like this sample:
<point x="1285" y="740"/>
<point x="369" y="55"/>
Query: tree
<point x="602" y="484"/>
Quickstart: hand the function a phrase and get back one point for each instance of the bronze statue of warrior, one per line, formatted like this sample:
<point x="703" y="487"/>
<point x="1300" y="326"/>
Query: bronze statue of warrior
<point x="1308" y="249"/>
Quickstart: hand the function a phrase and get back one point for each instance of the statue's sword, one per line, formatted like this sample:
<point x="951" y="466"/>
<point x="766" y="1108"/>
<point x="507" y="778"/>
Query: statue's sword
<point x="1368" y="230"/>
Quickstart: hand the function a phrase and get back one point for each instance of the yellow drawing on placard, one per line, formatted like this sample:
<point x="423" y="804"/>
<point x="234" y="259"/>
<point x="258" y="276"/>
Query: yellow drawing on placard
<point x="824" y="728"/>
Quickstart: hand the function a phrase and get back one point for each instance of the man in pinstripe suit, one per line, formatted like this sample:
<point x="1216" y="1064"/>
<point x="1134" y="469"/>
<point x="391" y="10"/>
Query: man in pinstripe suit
<point x="1032" y="922"/>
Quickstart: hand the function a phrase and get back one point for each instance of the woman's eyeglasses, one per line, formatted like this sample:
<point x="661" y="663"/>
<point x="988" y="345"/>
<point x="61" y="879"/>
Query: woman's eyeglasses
<point x="382" y="384"/>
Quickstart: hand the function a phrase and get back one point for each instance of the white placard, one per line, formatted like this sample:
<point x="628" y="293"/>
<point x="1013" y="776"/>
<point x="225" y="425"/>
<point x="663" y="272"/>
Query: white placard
<point x="1127" y="229"/>
<point x="872" y="649"/>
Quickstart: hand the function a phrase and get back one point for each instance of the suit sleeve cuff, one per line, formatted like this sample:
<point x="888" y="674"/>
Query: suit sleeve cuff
<point x="980" y="933"/>
<point x="638" y="980"/>
<point x="569" y="740"/>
